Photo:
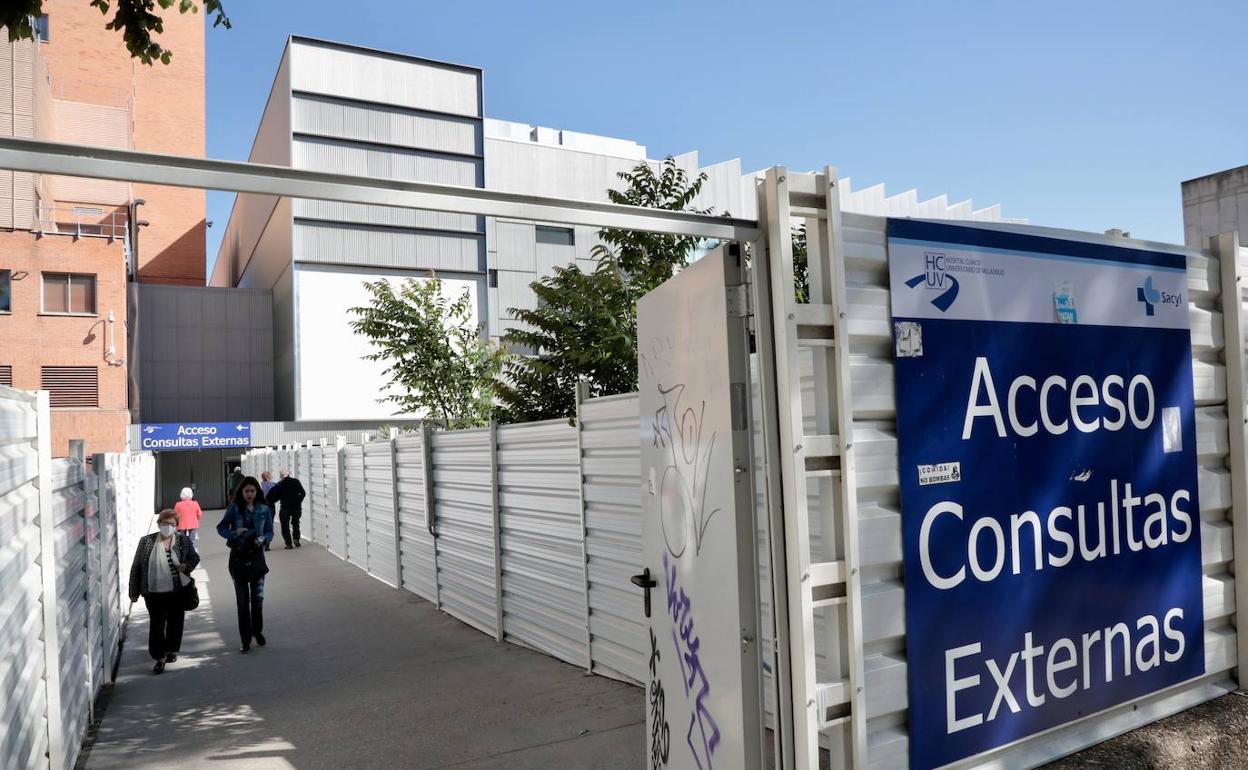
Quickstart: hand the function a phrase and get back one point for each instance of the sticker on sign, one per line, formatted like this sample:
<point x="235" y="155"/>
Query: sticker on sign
<point x="940" y="473"/>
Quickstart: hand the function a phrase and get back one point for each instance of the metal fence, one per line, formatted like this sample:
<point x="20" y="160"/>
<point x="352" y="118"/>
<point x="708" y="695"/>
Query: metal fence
<point x="65" y="530"/>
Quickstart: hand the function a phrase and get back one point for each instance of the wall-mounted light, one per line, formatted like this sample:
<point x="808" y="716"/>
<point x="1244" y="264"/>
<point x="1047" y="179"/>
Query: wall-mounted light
<point x="111" y="353"/>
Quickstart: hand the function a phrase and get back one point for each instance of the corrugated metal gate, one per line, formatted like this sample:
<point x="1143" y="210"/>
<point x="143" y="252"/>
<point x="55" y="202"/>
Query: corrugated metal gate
<point x="415" y="538"/>
<point x="543" y="560"/>
<point x="465" y="525"/>
<point x="612" y="478"/>
<point x="356" y="550"/>
<point x="380" y="513"/>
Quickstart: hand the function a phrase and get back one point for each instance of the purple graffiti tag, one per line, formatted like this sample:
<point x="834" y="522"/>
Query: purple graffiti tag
<point x="697" y="685"/>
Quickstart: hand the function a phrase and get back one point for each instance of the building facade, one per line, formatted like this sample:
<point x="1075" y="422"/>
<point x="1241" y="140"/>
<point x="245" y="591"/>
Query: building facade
<point x="69" y="247"/>
<point x="342" y="108"/>
<point x="1213" y="204"/>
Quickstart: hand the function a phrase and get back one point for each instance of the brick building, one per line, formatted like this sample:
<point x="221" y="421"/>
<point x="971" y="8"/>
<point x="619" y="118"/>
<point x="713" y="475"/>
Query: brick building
<point x="69" y="247"/>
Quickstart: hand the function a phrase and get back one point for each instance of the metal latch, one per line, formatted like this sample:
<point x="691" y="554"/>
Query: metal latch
<point x="645" y="582"/>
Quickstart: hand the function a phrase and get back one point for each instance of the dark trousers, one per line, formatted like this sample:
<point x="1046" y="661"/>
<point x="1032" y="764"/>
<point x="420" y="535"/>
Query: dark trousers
<point x="249" y="595"/>
<point x="290" y="519"/>
<point x="165" y="628"/>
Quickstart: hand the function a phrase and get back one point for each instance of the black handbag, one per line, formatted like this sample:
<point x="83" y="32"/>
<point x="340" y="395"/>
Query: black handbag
<point x="190" y="594"/>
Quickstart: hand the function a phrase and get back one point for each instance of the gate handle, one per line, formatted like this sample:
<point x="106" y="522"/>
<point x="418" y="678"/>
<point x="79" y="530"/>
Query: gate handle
<point x="646" y="582"/>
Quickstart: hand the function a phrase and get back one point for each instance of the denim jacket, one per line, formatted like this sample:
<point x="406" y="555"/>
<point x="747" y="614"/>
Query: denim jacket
<point x="259" y="524"/>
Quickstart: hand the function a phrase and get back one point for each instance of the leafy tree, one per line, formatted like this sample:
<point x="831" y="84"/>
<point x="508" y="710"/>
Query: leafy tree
<point x="437" y="361"/>
<point x="136" y="19"/>
<point x="585" y="324"/>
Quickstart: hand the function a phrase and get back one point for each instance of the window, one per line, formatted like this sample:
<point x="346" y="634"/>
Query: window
<point x="6" y="375"/>
<point x="71" y="386"/>
<point x="555" y="236"/>
<point x="69" y="293"/>
<point x="6" y="291"/>
<point x="42" y="29"/>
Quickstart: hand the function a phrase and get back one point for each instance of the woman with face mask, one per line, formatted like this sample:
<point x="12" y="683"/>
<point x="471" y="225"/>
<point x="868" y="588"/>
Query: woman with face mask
<point x="160" y="574"/>
<point x="248" y="529"/>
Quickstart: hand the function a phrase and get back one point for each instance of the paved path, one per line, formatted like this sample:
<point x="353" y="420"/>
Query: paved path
<point x="359" y="675"/>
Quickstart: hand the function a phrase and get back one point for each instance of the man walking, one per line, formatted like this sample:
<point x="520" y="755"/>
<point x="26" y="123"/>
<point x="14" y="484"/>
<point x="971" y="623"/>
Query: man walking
<point x="232" y="483"/>
<point x="289" y="492"/>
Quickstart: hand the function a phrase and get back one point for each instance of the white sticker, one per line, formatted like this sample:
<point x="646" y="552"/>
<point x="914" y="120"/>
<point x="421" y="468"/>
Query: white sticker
<point x="940" y="473"/>
<point x="909" y="339"/>
<point x="1171" y="429"/>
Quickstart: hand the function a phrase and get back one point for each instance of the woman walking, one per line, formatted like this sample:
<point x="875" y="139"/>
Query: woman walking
<point x="189" y="514"/>
<point x="248" y="529"/>
<point x="160" y="574"/>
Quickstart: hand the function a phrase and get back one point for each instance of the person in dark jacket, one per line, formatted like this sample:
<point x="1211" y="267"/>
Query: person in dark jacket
<point x="290" y="493"/>
<point x="160" y="571"/>
<point x="231" y="484"/>
<point x="248" y="528"/>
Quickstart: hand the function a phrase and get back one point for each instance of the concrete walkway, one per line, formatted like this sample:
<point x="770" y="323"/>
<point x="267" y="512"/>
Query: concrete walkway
<point x="355" y="674"/>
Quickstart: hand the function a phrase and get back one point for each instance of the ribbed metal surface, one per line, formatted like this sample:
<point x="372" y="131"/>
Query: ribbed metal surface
<point x="542" y="562"/>
<point x="883" y="597"/>
<point x="356" y="512"/>
<point x="343" y="157"/>
<point x="379" y="493"/>
<point x="23" y="727"/>
<point x="314" y="485"/>
<point x="612" y="467"/>
<point x="415" y="542"/>
<point x="462" y="493"/>
<point x="386" y="124"/>
<point x="338" y="244"/>
<point x="71" y="595"/>
<point x="385" y="216"/>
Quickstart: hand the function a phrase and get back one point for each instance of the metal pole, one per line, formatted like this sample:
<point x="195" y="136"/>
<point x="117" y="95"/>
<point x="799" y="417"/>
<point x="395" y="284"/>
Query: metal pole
<point x="1226" y="248"/>
<point x="398" y="525"/>
<point x="498" y="533"/>
<point x="582" y="394"/>
<point x="426" y="474"/>
<point x="57" y="757"/>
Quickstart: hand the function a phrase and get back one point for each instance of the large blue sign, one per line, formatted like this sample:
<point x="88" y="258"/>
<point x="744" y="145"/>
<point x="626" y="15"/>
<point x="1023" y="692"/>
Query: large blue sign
<point x="1047" y="449"/>
<point x="166" y="436"/>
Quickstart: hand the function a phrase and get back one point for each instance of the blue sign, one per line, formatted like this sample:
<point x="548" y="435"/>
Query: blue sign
<point x="163" y="437"/>
<point x="1047" y="449"/>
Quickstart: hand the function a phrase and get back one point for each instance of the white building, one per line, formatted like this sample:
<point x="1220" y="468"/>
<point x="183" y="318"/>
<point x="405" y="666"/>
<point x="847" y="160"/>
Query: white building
<point x="341" y="108"/>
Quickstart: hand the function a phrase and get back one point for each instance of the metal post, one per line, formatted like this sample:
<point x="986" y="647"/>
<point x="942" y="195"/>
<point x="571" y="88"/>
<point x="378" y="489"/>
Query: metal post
<point x="364" y="498"/>
<point x="498" y="533"/>
<point x="398" y="526"/>
<point x="57" y="757"/>
<point x="340" y="481"/>
<point x="78" y="454"/>
<point x="1226" y="248"/>
<point x="105" y="511"/>
<point x="582" y="394"/>
<point x="426" y="474"/>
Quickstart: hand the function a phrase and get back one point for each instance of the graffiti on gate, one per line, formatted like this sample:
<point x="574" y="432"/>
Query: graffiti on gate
<point x="660" y="732"/>
<point x="678" y="428"/>
<point x="697" y="685"/>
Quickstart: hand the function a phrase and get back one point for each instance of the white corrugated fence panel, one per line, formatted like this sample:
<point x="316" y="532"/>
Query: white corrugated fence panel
<point x="357" y="515"/>
<point x="379" y="491"/>
<point x="71" y="592"/>
<point x="464" y="522"/>
<point x="542" y="559"/>
<point x="610" y="435"/>
<point x="416" y="544"/>
<point x="23" y="704"/>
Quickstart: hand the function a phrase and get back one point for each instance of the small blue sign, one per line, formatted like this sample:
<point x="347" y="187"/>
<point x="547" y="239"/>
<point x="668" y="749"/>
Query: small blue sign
<point x="1047" y="448"/>
<point x="173" y="436"/>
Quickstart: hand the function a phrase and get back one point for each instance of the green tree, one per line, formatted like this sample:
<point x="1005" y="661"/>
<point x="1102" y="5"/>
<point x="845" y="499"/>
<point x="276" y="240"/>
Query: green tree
<point x="137" y="20"/>
<point x="585" y="324"/>
<point x="436" y="359"/>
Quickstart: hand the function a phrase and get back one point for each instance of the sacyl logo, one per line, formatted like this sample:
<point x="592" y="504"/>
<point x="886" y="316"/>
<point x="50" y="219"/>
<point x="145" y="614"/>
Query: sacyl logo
<point x="935" y="278"/>
<point x="1152" y="296"/>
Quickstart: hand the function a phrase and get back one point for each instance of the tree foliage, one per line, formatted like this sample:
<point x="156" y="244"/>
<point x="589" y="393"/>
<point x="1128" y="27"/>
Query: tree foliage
<point x="585" y="324"/>
<point x="436" y="359"/>
<point x="137" y="20"/>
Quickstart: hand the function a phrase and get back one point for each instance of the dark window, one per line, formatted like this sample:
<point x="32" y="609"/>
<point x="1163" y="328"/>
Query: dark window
<point x="69" y="293"/>
<point x="6" y="375"/>
<point x="556" y="236"/>
<point x="6" y="291"/>
<point x="71" y="386"/>
<point x="42" y="30"/>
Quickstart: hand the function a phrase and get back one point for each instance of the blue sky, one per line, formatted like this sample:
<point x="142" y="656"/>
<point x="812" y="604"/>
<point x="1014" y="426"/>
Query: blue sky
<point x="1071" y="114"/>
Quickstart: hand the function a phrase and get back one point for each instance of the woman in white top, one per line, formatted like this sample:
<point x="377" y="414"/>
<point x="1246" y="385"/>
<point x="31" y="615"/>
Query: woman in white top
<point x="160" y="571"/>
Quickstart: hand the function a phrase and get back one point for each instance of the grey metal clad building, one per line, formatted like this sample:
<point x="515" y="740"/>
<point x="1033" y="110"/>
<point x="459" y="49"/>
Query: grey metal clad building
<point x="342" y="108"/>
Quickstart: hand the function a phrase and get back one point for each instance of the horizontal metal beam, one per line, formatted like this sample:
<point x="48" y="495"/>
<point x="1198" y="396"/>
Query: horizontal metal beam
<point x="17" y="154"/>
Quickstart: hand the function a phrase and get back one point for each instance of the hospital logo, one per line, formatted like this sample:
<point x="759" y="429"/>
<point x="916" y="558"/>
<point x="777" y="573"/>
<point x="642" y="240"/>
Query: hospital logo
<point x="936" y="278"/>
<point x="1151" y="297"/>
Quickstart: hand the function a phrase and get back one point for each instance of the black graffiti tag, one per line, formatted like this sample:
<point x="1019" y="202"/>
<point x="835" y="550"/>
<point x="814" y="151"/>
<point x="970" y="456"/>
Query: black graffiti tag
<point x="660" y="732"/>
